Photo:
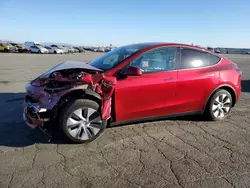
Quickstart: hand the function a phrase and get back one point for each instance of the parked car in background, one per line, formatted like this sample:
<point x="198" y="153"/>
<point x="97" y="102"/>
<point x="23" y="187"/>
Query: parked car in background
<point x="132" y="83"/>
<point x="107" y="49"/>
<point x="64" y="49"/>
<point x="210" y="49"/>
<point x="38" y="49"/>
<point x="221" y="50"/>
<point x="98" y="49"/>
<point x="94" y="49"/>
<point x="87" y="48"/>
<point x="54" y="50"/>
<point x="28" y="44"/>
<point x="75" y="50"/>
<point x="6" y="47"/>
<point x="246" y="51"/>
<point x="70" y="50"/>
<point x="80" y="49"/>
<point x="20" y="48"/>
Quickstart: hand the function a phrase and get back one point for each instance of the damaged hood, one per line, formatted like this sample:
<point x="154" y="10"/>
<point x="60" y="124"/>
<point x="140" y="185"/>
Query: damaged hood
<point x="70" y="65"/>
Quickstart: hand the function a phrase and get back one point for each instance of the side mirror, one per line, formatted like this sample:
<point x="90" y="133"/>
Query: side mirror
<point x="133" y="71"/>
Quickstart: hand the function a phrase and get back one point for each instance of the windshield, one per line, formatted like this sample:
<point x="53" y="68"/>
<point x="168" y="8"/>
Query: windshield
<point x="7" y="44"/>
<point x="114" y="57"/>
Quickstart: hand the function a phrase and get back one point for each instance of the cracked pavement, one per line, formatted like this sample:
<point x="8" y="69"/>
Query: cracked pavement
<point x="184" y="152"/>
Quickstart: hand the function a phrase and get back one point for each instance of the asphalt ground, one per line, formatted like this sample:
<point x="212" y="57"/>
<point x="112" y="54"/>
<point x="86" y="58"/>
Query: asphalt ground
<point x="177" y="153"/>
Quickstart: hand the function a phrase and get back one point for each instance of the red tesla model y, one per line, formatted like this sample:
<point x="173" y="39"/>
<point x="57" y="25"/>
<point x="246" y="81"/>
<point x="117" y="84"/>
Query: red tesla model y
<point x="130" y="83"/>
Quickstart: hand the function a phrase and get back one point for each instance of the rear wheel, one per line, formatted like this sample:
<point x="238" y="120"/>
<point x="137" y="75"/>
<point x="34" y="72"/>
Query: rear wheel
<point x="81" y="121"/>
<point x="219" y="105"/>
<point x="39" y="51"/>
<point x="6" y="50"/>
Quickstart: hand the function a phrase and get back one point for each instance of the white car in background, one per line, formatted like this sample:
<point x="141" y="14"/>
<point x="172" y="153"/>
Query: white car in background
<point x="54" y="50"/>
<point x="38" y="49"/>
<point x="65" y="50"/>
<point x="29" y="44"/>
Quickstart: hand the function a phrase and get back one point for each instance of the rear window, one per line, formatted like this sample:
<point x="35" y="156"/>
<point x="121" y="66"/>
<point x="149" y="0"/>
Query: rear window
<point x="191" y="58"/>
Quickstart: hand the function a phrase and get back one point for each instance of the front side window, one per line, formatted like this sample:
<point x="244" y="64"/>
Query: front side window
<point x="191" y="58"/>
<point x="161" y="59"/>
<point x="116" y="56"/>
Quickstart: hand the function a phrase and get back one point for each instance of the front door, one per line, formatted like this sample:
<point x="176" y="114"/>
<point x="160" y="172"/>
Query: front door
<point x="151" y="94"/>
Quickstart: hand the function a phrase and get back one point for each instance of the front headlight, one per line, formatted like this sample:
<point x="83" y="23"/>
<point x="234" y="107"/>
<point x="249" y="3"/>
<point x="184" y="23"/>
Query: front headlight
<point x="38" y="82"/>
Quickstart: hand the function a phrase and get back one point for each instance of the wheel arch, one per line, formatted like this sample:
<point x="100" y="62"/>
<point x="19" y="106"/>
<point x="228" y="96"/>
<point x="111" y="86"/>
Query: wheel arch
<point x="226" y="87"/>
<point x="83" y="93"/>
<point x="78" y="94"/>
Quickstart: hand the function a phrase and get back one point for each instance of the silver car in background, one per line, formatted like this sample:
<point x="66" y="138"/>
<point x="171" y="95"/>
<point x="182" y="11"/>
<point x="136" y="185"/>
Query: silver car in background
<point x="54" y="50"/>
<point x="38" y="49"/>
<point x="65" y="50"/>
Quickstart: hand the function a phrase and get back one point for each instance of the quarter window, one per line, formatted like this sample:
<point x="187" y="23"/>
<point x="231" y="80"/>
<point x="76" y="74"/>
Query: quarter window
<point x="193" y="59"/>
<point x="162" y="59"/>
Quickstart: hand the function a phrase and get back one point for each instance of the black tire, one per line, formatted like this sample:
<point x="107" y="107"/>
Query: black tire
<point x="39" y="52"/>
<point x="210" y="112"/>
<point x="69" y="109"/>
<point x="55" y="52"/>
<point x="6" y="50"/>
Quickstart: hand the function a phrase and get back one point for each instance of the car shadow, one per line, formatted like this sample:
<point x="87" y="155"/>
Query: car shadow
<point x="245" y="86"/>
<point x="15" y="133"/>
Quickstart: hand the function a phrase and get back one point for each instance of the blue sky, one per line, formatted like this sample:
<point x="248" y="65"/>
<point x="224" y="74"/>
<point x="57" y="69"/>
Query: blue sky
<point x="91" y="22"/>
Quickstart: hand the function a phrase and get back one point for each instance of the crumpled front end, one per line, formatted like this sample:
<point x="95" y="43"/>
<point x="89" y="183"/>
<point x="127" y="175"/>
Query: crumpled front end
<point x="45" y="94"/>
<point x="41" y="105"/>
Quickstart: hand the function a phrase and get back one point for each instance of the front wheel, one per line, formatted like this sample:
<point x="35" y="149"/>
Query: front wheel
<point x="81" y="121"/>
<point x="219" y="105"/>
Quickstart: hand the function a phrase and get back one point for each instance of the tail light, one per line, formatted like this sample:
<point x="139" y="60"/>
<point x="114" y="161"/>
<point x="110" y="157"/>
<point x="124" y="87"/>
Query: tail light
<point x="239" y="71"/>
<point x="236" y="68"/>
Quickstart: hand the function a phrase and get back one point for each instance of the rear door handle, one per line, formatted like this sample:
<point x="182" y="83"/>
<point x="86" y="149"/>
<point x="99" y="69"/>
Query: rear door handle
<point x="170" y="78"/>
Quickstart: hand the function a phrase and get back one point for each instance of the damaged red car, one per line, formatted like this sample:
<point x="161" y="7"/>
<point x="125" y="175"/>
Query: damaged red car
<point x="137" y="82"/>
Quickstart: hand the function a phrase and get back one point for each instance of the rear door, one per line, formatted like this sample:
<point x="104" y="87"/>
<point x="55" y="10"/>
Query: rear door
<point x="197" y="78"/>
<point x="151" y="94"/>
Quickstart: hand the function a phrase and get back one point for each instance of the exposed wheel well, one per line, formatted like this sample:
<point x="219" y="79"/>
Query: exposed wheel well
<point x="227" y="88"/>
<point x="78" y="94"/>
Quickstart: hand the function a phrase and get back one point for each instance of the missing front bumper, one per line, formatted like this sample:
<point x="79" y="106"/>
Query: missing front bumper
<point x="34" y="116"/>
<point x="35" y="123"/>
<point x="32" y="122"/>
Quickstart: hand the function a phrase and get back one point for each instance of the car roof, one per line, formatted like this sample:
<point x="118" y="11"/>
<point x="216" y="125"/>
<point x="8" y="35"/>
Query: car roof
<point x="151" y="45"/>
<point x="156" y="44"/>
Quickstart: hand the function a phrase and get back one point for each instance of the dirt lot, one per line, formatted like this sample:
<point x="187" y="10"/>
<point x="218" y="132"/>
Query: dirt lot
<point x="185" y="152"/>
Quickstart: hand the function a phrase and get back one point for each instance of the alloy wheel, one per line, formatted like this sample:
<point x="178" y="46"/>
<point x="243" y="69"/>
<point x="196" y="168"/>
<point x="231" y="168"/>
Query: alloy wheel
<point x="221" y="106"/>
<point x="84" y="123"/>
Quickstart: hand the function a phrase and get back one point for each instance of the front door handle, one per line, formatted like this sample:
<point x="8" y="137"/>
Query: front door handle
<point x="167" y="79"/>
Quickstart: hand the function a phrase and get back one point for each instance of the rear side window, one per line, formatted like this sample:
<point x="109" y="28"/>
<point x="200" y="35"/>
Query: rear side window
<point x="191" y="58"/>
